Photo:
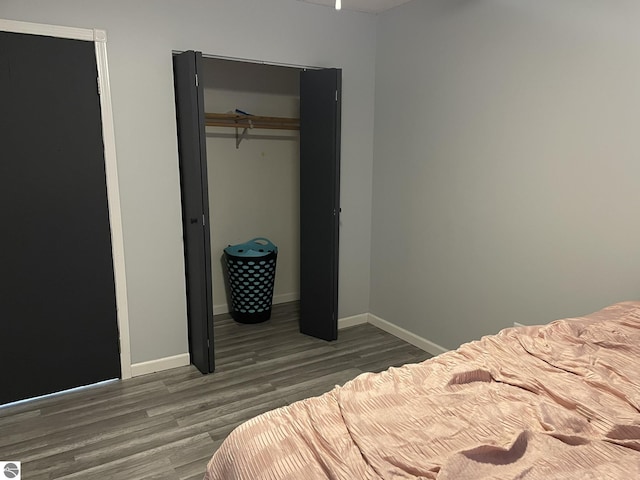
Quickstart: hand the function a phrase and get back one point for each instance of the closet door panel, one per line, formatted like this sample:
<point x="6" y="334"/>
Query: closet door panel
<point x="58" y="319"/>
<point x="320" y="107"/>
<point x="195" y="207"/>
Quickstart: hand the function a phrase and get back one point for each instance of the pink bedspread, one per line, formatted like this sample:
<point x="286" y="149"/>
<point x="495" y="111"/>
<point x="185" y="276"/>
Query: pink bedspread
<point x="560" y="401"/>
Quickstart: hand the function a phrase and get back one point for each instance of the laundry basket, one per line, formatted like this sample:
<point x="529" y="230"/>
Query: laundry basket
<point x="251" y="271"/>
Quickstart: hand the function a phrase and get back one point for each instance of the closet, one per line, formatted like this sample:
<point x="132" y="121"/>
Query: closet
<point x="253" y="165"/>
<point x="259" y="153"/>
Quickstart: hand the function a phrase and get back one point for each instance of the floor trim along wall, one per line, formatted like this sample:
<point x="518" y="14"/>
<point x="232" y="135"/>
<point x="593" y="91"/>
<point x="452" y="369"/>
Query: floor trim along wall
<point x="181" y="360"/>
<point x="420" y="342"/>
<point x="347" y="322"/>
<point x="160" y="364"/>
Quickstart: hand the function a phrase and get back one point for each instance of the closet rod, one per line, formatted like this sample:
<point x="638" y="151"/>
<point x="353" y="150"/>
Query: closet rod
<point x="253" y="125"/>
<point x="240" y="116"/>
<point x="235" y="120"/>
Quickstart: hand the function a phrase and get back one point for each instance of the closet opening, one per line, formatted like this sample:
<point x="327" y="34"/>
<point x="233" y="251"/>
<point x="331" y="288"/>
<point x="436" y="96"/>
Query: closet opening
<point x="259" y="157"/>
<point x="252" y="131"/>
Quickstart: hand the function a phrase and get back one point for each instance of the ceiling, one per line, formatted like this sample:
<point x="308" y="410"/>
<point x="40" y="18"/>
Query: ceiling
<point x="369" y="6"/>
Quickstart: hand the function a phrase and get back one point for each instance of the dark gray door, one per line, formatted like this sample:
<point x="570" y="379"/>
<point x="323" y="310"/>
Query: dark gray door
<point x="320" y="107"/>
<point x="195" y="207"/>
<point x="58" y="320"/>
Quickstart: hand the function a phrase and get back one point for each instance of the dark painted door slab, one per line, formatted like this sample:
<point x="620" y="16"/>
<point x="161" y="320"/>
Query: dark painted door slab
<point x="320" y="100"/>
<point x="195" y="207"/>
<point x="58" y="319"/>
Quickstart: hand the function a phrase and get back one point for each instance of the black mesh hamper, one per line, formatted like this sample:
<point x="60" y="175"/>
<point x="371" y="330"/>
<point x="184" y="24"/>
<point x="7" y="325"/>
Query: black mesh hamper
<point x="251" y="271"/>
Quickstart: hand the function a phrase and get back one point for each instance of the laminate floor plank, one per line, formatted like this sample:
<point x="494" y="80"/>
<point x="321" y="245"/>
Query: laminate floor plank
<point x="75" y="441"/>
<point x="166" y="425"/>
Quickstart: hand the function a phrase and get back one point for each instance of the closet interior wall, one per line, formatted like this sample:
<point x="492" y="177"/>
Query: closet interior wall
<point x="254" y="189"/>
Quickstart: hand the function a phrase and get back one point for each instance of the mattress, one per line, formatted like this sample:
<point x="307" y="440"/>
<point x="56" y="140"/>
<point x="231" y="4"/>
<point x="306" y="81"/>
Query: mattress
<point x="559" y="401"/>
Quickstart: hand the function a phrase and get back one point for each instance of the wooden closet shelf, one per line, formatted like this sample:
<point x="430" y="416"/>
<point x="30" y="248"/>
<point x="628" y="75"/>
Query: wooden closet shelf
<point x="235" y="120"/>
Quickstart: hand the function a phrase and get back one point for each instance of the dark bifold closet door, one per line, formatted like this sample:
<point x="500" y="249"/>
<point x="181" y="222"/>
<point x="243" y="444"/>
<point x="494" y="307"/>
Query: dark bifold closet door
<point x="58" y="319"/>
<point x="195" y="207"/>
<point x="320" y="99"/>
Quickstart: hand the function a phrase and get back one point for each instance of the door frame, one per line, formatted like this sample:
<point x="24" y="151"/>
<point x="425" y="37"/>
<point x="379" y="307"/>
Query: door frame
<point x="99" y="38"/>
<point x="338" y="146"/>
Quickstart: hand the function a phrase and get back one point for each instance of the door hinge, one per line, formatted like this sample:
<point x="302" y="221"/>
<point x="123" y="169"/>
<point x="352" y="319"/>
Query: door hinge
<point x="99" y="87"/>
<point x="196" y="79"/>
<point x="336" y="95"/>
<point x="203" y="222"/>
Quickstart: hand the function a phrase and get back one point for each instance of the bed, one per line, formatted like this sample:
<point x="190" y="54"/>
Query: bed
<point x="558" y="401"/>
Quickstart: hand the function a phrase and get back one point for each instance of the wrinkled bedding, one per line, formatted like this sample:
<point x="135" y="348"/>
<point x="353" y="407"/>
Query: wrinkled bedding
<point x="559" y="401"/>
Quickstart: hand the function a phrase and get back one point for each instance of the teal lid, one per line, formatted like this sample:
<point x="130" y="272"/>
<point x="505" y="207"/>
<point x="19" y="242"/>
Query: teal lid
<point x="257" y="247"/>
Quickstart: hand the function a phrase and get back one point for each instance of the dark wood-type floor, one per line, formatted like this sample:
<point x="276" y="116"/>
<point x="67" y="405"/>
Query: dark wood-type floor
<point x="166" y="425"/>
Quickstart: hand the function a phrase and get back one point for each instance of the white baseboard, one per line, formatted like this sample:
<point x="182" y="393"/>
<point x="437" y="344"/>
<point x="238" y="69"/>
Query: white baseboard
<point x="420" y="342"/>
<point x="353" y="321"/>
<point x="282" y="298"/>
<point x="160" y="364"/>
<point x="183" y="359"/>
<point x="220" y="309"/>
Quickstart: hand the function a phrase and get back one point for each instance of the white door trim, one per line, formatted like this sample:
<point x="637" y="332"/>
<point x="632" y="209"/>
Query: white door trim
<point x="99" y="38"/>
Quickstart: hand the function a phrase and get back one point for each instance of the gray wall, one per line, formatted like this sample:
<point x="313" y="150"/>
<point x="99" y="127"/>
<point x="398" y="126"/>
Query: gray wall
<point x="507" y="159"/>
<point x="506" y="153"/>
<point x="141" y="36"/>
